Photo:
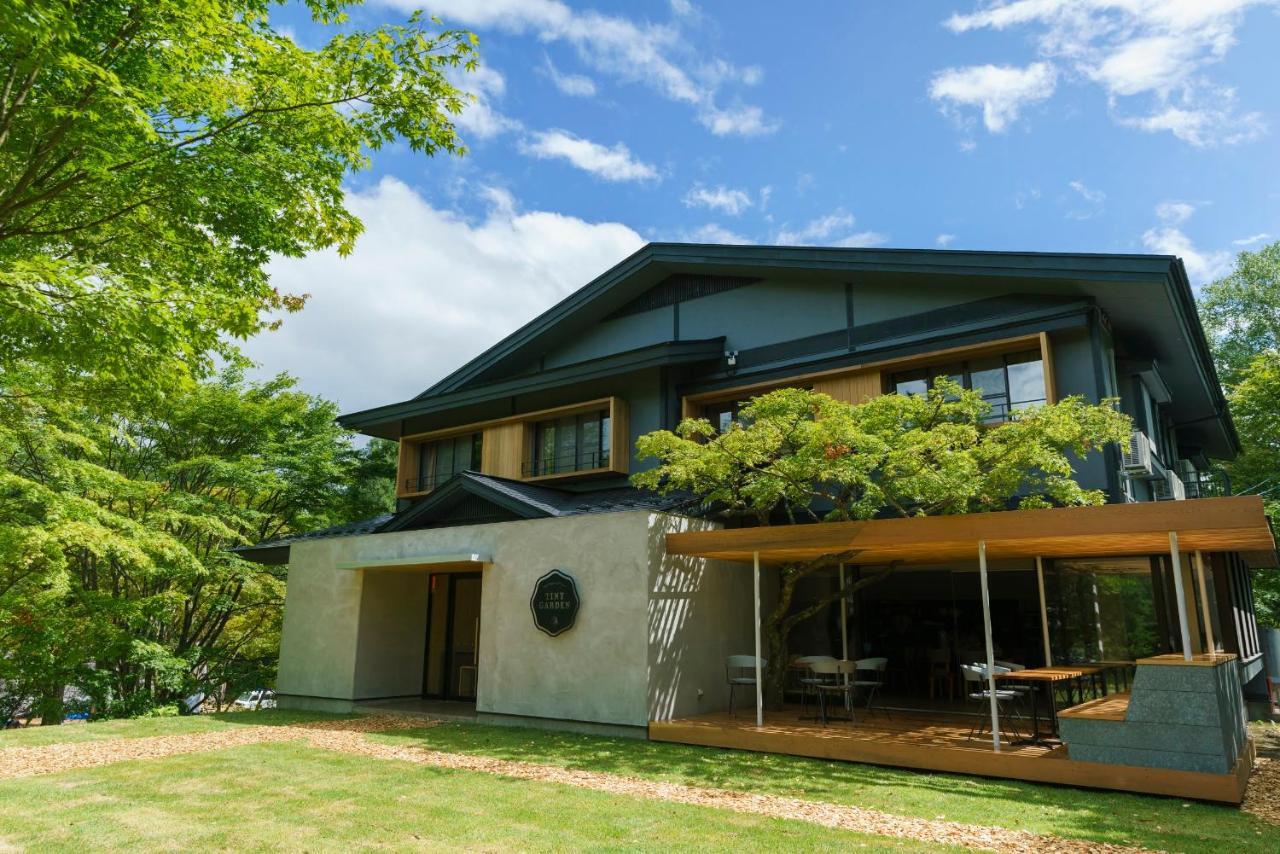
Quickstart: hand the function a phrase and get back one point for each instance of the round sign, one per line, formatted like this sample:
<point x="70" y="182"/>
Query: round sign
<point x="554" y="603"/>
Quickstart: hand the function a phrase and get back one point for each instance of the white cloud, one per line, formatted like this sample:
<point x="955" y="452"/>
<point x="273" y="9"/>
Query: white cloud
<point x="1156" y="52"/>
<point x="1252" y="239"/>
<point x="577" y="85"/>
<point x="944" y="240"/>
<point x="737" y="121"/>
<point x="1094" y="198"/>
<point x="721" y="198"/>
<point x="1203" y="119"/>
<point x="833" y="229"/>
<point x="1174" y="213"/>
<point x="479" y="117"/>
<point x="426" y="289"/>
<point x="611" y="164"/>
<point x="1168" y="239"/>
<point x="683" y="8"/>
<point x="714" y="233"/>
<point x="1000" y="90"/>
<point x="662" y="56"/>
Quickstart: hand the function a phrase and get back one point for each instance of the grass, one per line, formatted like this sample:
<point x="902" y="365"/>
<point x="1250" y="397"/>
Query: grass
<point x="289" y="796"/>
<point x="1162" y="823"/>
<point x="143" y="727"/>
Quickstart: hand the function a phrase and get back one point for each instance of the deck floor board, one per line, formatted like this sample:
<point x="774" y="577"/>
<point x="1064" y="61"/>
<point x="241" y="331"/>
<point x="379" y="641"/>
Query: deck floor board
<point x="935" y="742"/>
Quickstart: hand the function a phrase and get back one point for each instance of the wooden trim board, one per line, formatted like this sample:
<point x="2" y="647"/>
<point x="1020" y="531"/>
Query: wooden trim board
<point x="1048" y="767"/>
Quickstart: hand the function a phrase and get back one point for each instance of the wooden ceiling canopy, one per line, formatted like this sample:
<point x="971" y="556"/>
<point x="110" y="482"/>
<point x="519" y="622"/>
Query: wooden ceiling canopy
<point x="1204" y="524"/>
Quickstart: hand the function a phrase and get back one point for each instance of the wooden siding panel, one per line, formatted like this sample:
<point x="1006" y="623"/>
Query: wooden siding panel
<point x="502" y="450"/>
<point x="851" y="388"/>
<point x="620" y="439"/>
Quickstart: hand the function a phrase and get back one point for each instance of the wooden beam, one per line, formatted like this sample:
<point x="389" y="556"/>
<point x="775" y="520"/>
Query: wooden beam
<point x="1235" y="523"/>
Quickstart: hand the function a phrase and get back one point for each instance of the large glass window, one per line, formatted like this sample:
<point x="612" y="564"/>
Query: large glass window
<point x="442" y="459"/>
<point x="1009" y="383"/>
<point x="571" y="443"/>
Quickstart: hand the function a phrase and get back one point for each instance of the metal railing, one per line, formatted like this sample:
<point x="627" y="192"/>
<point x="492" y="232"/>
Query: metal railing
<point x="1206" y="484"/>
<point x="427" y="482"/>
<point x="565" y="463"/>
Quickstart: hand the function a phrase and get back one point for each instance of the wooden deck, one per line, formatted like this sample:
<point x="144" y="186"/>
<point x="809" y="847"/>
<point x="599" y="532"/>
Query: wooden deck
<point x="940" y="743"/>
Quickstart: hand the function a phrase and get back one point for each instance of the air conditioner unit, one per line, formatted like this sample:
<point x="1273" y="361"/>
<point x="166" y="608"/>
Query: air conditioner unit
<point x="1169" y="488"/>
<point x="1136" y="459"/>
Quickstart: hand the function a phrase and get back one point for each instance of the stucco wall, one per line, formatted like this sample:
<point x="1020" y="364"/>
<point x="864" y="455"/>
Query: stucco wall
<point x="358" y="635"/>
<point x="393" y="627"/>
<point x="699" y="612"/>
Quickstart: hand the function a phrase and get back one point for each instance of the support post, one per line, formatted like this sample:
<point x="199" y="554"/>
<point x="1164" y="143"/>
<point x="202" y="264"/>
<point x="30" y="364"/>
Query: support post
<point x="755" y="577"/>
<point x="844" y="623"/>
<point x="991" y="652"/>
<point x="1044" y="613"/>
<point x="1210" y="646"/>
<point x="1181" y="596"/>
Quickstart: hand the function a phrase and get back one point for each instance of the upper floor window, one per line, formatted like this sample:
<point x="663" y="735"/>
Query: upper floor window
<point x="571" y="443"/>
<point x="1008" y="383"/>
<point x="725" y="414"/>
<point x="443" y="458"/>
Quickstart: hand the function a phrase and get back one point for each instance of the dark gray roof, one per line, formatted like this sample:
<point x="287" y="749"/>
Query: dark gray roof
<point x="520" y="499"/>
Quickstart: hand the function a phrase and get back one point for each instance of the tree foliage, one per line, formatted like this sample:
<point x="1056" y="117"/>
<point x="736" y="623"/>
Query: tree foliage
<point x="1241" y="312"/>
<point x="117" y="571"/>
<point x="155" y="153"/>
<point x="1242" y="316"/>
<point x="799" y="455"/>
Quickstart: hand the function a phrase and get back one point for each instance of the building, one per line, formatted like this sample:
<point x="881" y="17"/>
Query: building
<point x="523" y="574"/>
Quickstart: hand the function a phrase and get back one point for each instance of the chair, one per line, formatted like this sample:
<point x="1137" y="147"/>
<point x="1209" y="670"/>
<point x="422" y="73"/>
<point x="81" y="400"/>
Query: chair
<point x="874" y="668"/>
<point x="809" y="680"/>
<point x="740" y="670"/>
<point x="838" y="682"/>
<point x="941" y="676"/>
<point x="978" y="690"/>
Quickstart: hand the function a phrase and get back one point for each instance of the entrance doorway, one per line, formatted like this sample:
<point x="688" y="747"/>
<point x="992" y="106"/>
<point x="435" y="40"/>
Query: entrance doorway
<point x="451" y="668"/>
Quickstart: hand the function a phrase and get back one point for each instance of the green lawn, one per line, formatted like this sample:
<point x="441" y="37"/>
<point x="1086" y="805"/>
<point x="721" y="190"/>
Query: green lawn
<point x="288" y="796"/>
<point x="142" y="727"/>
<point x="1162" y="823"/>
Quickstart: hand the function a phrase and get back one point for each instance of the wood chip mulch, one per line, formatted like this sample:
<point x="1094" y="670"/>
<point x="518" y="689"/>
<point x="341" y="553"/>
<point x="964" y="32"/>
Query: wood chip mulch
<point x="1263" y="796"/>
<point x="348" y="736"/>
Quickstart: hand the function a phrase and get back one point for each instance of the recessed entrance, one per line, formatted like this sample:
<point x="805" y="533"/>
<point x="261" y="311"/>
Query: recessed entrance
<point x="451" y="666"/>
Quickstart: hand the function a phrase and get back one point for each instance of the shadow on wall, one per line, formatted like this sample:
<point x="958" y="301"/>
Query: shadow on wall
<point x="699" y="612"/>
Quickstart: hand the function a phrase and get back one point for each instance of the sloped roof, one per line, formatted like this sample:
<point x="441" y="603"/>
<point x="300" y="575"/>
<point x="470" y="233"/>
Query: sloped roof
<point x="514" y="499"/>
<point x="1148" y="299"/>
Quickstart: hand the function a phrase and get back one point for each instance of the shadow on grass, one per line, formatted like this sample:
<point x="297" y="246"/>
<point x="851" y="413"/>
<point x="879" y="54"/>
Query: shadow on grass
<point x="1094" y="815"/>
<point x="276" y="717"/>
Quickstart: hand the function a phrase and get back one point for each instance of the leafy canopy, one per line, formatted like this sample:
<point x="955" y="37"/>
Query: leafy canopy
<point x="1241" y="311"/>
<point x="795" y="450"/>
<point x="154" y="154"/>
<point x="116" y="569"/>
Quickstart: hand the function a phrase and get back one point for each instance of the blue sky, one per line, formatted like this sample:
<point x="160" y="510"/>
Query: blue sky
<point x="1072" y="125"/>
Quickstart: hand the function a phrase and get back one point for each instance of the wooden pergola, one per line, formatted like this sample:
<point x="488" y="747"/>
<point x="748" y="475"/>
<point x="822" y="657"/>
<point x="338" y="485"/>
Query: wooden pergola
<point x="1233" y="524"/>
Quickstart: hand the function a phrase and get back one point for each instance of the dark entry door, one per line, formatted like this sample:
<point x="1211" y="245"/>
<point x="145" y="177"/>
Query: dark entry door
<point x="451" y="668"/>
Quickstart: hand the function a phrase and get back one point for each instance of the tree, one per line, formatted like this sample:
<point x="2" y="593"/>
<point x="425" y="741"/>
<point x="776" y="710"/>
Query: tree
<point x="798" y="455"/>
<point x="1255" y="408"/>
<point x="116" y="569"/>
<point x="1242" y="316"/>
<point x="155" y="153"/>
<point x="1242" y="312"/>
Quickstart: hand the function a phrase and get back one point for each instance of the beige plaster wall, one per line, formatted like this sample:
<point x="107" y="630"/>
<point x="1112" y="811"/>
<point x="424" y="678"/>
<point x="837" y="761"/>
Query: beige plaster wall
<point x="350" y="633"/>
<point x="699" y="613"/>
<point x="391" y="642"/>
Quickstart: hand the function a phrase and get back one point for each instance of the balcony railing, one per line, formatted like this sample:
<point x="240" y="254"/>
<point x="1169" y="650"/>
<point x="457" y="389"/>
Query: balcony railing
<point x="566" y="463"/>
<point x="427" y="482"/>
<point x="1206" y="484"/>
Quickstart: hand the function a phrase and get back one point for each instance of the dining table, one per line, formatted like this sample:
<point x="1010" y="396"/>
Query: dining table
<point x="1046" y="680"/>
